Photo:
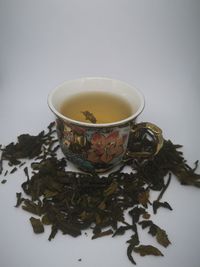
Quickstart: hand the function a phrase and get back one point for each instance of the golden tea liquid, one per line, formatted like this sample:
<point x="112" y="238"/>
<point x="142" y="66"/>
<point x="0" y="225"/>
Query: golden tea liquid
<point x="105" y="107"/>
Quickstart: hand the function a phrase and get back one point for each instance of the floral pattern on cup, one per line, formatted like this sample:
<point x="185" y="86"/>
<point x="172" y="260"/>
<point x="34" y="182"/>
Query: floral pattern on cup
<point x="92" y="149"/>
<point x="106" y="147"/>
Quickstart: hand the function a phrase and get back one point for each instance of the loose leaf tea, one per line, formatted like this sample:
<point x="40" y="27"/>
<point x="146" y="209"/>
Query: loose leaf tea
<point x="38" y="227"/>
<point x="111" y="205"/>
<point x="147" y="250"/>
<point x="154" y="230"/>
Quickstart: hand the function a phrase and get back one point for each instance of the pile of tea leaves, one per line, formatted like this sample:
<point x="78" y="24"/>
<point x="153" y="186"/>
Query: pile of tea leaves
<point x="72" y="202"/>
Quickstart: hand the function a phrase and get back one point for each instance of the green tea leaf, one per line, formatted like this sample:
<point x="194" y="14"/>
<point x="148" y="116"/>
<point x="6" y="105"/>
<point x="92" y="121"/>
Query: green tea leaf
<point x="32" y="207"/>
<point x="45" y="220"/>
<point x="145" y="250"/>
<point x="101" y="234"/>
<point x="89" y="116"/>
<point x="38" y="227"/>
<point x="154" y="230"/>
<point x="162" y="237"/>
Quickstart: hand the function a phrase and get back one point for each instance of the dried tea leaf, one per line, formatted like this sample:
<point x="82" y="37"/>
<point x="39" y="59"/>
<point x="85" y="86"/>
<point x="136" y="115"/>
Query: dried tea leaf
<point x="145" y="250"/>
<point x="146" y="216"/>
<point x="111" y="189"/>
<point x="53" y="233"/>
<point x="143" y="198"/>
<point x="45" y="220"/>
<point x="146" y="224"/>
<point x="154" y="230"/>
<point x="19" y="199"/>
<point x="136" y="212"/>
<point x="134" y="241"/>
<point x="13" y="170"/>
<point x="1" y="161"/>
<point x="3" y="181"/>
<point x="71" y="201"/>
<point x="26" y="173"/>
<point x="32" y="207"/>
<point x="89" y="116"/>
<point x="122" y="229"/>
<point x="101" y="234"/>
<point x="157" y="205"/>
<point x="129" y="254"/>
<point x="162" y="237"/>
<point x="38" y="227"/>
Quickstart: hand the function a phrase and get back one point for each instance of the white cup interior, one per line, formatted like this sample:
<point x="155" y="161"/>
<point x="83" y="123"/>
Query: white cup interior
<point x="96" y="84"/>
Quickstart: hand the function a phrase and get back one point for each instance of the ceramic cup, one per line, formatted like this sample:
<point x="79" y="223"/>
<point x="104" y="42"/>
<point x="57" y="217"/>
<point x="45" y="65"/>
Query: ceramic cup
<point x="98" y="147"/>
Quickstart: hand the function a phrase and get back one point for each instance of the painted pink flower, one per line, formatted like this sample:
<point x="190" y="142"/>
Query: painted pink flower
<point x="105" y="148"/>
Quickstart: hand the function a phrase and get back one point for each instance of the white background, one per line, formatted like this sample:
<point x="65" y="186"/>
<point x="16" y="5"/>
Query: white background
<point x="152" y="44"/>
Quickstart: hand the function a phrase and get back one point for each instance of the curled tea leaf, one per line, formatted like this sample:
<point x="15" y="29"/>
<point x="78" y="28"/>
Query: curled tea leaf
<point x="145" y="250"/>
<point x="157" y="205"/>
<point x="122" y="229"/>
<point x="89" y="116"/>
<point x="134" y="241"/>
<point x="154" y="230"/>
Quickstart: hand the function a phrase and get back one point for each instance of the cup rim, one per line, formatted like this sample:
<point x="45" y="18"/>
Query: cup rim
<point x="96" y="125"/>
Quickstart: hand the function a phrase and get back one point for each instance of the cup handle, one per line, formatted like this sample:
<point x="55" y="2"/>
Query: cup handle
<point x="155" y="132"/>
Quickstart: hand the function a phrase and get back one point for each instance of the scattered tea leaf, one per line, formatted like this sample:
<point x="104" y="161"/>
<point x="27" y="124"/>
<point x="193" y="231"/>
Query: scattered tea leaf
<point x="32" y="207"/>
<point x="136" y="212"/>
<point x="145" y="250"/>
<point x="111" y="189"/>
<point x="3" y="181"/>
<point x="164" y="188"/>
<point x="154" y="230"/>
<point x="162" y="237"/>
<point x="143" y="198"/>
<point x="38" y="227"/>
<point x="134" y="241"/>
<point x="54" y="231"/>
<point x="72" y="202"/>
<point x="13" y="170"/>
<point x="1" y="161"/>
<point x="101" y="234"/>
<point x="157" y="205"/>
<point x="19" y="199"/>
<point x="146" y="215"/>
<point x="122" y="229"/>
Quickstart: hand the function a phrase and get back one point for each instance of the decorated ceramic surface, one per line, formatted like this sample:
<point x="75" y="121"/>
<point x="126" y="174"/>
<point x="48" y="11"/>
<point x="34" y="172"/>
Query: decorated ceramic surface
<point x="93" y="149"/>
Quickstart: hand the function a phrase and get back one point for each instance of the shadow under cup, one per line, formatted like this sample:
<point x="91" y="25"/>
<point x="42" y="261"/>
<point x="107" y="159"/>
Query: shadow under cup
<point x="94" y="147"/>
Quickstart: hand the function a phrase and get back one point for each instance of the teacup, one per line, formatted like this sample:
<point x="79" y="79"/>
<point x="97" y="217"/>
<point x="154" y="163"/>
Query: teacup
<point x="101" y="146"/>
